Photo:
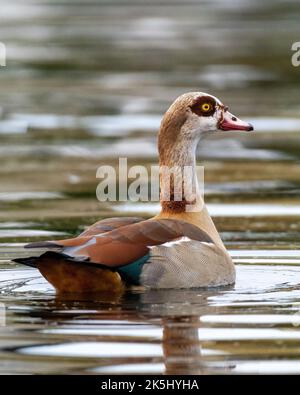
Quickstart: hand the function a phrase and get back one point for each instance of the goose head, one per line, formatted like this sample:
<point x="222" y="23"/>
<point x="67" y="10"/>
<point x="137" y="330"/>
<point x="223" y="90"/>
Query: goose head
<point x="196" y="113"/>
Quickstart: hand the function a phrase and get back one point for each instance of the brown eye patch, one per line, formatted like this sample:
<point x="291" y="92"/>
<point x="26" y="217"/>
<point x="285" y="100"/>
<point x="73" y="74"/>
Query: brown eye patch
<point x="204" y="106"/>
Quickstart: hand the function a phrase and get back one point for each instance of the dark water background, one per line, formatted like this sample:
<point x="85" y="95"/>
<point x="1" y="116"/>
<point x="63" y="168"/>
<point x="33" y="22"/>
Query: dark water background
<point x="87" y="82"/>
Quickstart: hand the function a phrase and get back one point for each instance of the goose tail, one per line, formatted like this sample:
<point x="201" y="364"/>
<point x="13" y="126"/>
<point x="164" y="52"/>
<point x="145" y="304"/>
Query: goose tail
<point x="74" y="275"/>
<point x="31" y="261"/>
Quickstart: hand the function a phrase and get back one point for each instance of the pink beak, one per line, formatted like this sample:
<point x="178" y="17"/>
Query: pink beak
<point x="230" y="122"/>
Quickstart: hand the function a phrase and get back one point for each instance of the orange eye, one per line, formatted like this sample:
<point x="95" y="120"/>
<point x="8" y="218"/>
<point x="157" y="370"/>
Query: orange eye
<point x="206" y="107"/>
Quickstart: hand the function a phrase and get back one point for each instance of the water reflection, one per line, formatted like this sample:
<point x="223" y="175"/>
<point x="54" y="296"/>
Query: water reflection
<point x="172" y="331"/>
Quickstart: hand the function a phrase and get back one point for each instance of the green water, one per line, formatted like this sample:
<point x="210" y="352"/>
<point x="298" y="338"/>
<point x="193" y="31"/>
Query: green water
<point x="85" y="85"/>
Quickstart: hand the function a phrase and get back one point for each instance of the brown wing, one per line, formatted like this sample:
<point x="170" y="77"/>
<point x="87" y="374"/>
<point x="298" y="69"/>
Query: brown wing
<point x="129" y="243"/>
<point x="102" y="226"/>
<point x="109" y="224"/>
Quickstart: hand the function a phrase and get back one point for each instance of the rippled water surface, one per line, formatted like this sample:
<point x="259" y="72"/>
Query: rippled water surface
<point x="86" y="84"/>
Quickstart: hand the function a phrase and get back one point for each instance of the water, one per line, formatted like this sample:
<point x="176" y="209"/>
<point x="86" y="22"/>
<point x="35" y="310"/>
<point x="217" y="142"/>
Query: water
<point x="87" y="84"/>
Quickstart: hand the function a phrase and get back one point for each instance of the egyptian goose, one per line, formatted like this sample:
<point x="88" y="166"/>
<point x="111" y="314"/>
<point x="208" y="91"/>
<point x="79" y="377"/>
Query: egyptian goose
<point x="177" y="248"/>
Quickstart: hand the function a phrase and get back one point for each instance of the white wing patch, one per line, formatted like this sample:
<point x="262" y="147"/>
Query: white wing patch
<point x="73" y="250"/>
<point x="172" y="243"/>
<point x="186" y="263"/>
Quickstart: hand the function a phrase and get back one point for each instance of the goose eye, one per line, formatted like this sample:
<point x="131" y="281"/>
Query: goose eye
<point x="206" y="107"/>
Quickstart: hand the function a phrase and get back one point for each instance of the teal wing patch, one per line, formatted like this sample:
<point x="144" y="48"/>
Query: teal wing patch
<point x="131" y="273"/>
